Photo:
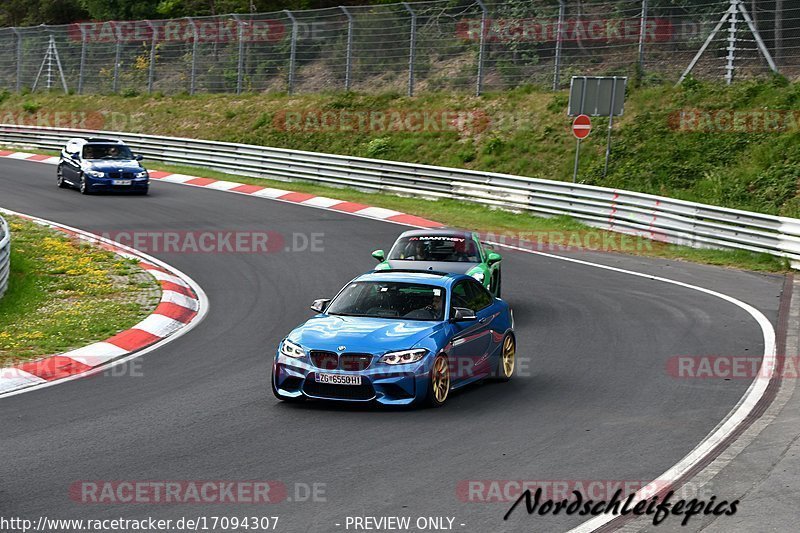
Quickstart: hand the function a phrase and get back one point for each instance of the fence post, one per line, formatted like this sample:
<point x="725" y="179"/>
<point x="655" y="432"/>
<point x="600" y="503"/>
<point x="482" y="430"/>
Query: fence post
<point x="240" y="58"/>
<point x="349" y="60"/>
<point x="193" y="77"/>
<point x="82" y="66"/>
<point x="481" y="48"/>
<point x="292" y="50"/>
<point x="117" y="57"/>
<point x="151" y="70"/>
<point x="642" y="28"/>
<point x="19" y="58"/>
<point x="562" y="7"/>
<point x="412" y="48"/>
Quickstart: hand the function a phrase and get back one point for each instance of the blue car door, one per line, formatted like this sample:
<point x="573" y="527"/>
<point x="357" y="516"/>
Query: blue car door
<point x="472" y="342"/>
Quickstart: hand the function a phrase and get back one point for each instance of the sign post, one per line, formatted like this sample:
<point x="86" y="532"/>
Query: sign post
<point x="581" y="127"/>
<point x="598" y="96"/>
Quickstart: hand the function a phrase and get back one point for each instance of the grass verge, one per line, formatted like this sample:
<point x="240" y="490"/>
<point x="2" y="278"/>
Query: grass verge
<point x="64" y="294"/>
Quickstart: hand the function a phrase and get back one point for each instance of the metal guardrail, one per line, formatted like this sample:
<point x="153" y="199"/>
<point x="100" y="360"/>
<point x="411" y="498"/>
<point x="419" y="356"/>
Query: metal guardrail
<point x="5" y="255"/>
<point x="666" y="219"/>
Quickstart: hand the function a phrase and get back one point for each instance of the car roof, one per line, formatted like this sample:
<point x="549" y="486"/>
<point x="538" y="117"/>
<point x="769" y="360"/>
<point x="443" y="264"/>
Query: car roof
<point x="95" y="140"/>
<point x="435" y="232"/>
<point x="438" y="279"/>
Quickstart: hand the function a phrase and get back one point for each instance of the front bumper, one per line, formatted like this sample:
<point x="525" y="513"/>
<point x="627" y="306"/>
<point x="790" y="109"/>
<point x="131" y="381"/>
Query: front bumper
<point x="381" y="383"/>
<point x="107" y="184"/>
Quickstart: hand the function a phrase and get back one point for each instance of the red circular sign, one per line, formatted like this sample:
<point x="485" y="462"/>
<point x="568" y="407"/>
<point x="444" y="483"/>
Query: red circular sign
<point x="581" y="126"/>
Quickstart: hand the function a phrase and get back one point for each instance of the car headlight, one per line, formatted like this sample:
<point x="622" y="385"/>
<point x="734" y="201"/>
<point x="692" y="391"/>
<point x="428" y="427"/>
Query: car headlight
<point x="142" y="174"/>
<point x="291" y="349"/>
<point x="403" y="357"/>
<point x="95" y="174"/>
<point x="478" y="275"/>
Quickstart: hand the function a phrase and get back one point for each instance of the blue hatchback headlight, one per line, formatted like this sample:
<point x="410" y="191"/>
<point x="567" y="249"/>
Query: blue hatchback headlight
<point x="404" y="357"/>
<point x="95" y="174"/>
<point x="290" y="349"/>
<point x="142" y="174"/>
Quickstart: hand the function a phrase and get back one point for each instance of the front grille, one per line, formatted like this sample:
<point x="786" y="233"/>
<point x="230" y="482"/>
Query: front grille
<point x="354" y="361"/>
<point x="325" y="360"/>
<point x="338" y="392"/>
<point x="120" y="175"/>
<point x="347" y="361"/>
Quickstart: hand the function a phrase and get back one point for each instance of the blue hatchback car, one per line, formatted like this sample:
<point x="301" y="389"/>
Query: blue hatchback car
<point x="397" y="337"/>
<point x="94" y="165"/>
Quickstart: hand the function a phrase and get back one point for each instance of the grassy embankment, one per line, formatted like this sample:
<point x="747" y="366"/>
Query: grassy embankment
<point x="64" y="294"/>
<point x="527" y="133"/>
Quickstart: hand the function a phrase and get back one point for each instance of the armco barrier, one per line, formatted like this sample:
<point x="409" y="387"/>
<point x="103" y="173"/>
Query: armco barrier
<point x="5" y="255"/>
<point x="676" y="221"/>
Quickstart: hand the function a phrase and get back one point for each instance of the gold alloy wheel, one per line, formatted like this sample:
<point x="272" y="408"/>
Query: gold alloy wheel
<point x="440" y="379"/>
<point x="509" y="351"/>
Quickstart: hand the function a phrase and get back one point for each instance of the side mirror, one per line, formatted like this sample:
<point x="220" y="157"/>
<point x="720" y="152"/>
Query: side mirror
<point x="75" y="155"/>
<point x="379" y="255"/>
<point x="138" y="157"/>
<point x="320" y="305"/>
<point x="462" y="314"/>
<point x="493" y="258"/>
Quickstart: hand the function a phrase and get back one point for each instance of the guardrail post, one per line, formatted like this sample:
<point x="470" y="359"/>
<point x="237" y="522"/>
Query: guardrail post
<point x="412" y="48"/>
<point x="5" y="255"/>
<point x="19" y="58"/>
<point x="240" y="56"/>
<point x="195" y="37"/>
<point x="642" y="28"/>
<point x="481" y="48"/>
<point x="562" y="7"/>
<point x="82" y="65"/>
<point x="117" y="57"/>
<point x="292" y="51"/>
<point x="349" y="60"/>
<point x="151" y="70"/>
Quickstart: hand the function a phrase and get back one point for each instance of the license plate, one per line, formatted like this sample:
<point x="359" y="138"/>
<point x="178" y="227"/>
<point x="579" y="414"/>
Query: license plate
<point x="339" y="379"/>
<point x="120" y="182"/>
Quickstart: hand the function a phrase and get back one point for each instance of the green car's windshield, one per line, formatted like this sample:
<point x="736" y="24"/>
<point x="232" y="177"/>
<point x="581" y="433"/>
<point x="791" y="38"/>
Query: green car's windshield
<point x="107" y="151"/>
<point x="388" y="299"/>
<point x="445" y="248"/>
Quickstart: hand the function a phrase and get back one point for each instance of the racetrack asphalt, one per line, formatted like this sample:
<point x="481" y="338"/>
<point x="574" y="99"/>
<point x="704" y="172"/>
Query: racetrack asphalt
<point x="594" y="400"/>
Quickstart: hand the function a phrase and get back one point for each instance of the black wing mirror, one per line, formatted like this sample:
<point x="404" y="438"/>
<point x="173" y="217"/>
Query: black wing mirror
<point x="138" y="157"/>
<point x="320" y="305"/>
<point x="462" y="314"/>
<point x="75" y="155"/>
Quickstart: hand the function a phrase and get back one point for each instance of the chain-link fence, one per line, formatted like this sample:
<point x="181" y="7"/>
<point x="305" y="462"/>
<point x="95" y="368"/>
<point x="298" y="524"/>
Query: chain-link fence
<point x="454" y="45"/>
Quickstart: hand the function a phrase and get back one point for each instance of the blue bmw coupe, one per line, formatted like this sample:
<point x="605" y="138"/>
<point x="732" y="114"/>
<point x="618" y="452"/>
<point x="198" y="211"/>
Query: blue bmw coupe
<point x="397" y="337"/>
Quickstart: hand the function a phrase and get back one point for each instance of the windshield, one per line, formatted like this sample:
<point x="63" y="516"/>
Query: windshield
<point x="387" y="299"/>
<point x="445" y="248"/>
<point x="107" y="151"/>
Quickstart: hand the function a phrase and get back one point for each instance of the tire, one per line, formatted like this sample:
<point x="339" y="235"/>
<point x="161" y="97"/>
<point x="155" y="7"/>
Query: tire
<point x="84" y="188"/>
<point x="143" y="192"/>
<point x="498" y="284"/>
<point x="437" y="395"/>
<point x="299" y="399"/>
<point x="60" y="178"/>
<point x="506" y="371"/>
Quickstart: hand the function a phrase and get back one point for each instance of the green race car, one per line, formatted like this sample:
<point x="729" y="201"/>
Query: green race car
<point x="459" y="252"/>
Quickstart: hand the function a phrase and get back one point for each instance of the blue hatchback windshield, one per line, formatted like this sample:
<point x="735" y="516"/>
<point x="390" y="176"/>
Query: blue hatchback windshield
<point x="386" y="299"/>
<point x="446" y="248"/>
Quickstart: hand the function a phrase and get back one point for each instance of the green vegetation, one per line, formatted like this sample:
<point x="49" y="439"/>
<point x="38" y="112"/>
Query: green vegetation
<point x="525" y="132"/>
<point x="65" y="294"/>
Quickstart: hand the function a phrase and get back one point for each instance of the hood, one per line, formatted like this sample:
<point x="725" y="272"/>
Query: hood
<point x="129" y="165"/>
<point x="361" y="334"/>
<point x="441" y="266"/>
